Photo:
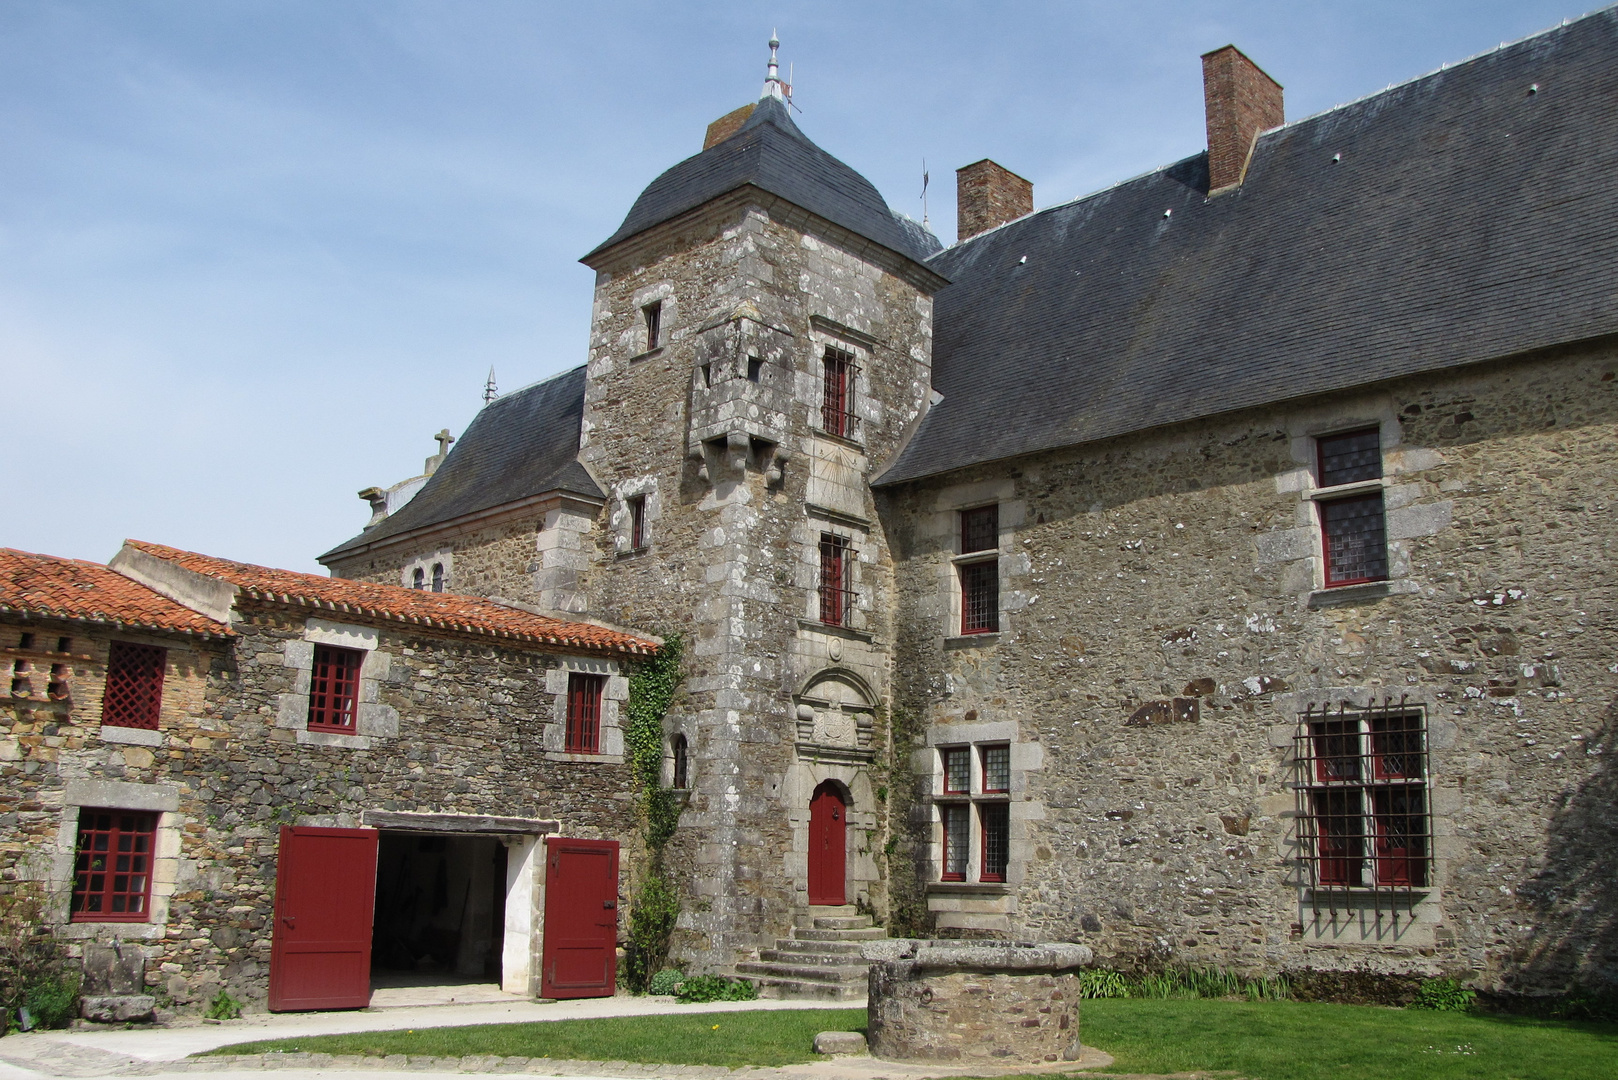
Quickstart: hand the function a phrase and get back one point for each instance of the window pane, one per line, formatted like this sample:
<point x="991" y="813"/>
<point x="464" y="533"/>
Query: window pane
<point x="1401" y="835"/>
<point x="835" y="595"/>
<point x="583" y="735"/>
<point x="1337" y="749"/>
<point x="837" y="394"/>
<point x="334" y="689"/>
<point x="1350" y="458"/>
<point x="1339" y="836"/>
<point x="123" y="894"/>
<point x="957" y="770"/>
<point x="980" y="597"/>
<point x="1356" y="540"/>
<point x="997" y="768"/>
<point x="1396" y="747"/>
<point x="996" y="839"/>
<point x="956" y="832"/>
<point x="980" y="529"/>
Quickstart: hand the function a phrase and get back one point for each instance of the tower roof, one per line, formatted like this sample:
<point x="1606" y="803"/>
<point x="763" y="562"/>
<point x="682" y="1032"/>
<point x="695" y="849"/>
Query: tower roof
<point x="770" y="153"/>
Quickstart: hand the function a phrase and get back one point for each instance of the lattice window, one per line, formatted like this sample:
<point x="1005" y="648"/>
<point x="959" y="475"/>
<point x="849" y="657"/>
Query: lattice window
<point x="980" y="792"/>
<point x="1364" y="817"/>
<point x="957" y="769"/>
<point x="996" y="769"/>
<point x="996" y="823"/>
<point x="836" y="596"/>
<point x="334" y="689"/>
<point x="112" y="870"/>
<point x="980" y="597"/>
<point x="838" y="371"/>
<point x="1354" y="539"/>
<point x="957" y="840"/>
<point x="134" y="691"/>
<point x="980" y="529"/>
<point x="583" y="734"/>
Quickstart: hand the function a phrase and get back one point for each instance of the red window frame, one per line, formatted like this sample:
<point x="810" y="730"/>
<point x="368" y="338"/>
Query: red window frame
<point x="957" y="762"/>
<point x="583" y="734"/>
<point x="980" y="597"/>
<point x="836" y="598"/>
<point x="637" y="522"/>
<point x="1001" y="762"/>
<point x="133" y="697"/>
<point x="334" y="689"/>
<point x="837" y="393"/>
<point x="994" y="819"/>
<point x="112" y="865"/>
<point x="957" y="822"/>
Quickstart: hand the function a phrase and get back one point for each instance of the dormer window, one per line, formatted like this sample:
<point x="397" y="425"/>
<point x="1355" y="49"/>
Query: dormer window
<point x="653" y="314"/>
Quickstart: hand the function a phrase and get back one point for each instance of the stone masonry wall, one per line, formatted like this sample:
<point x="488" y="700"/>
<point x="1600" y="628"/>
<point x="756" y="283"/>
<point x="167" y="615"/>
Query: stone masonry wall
<point x="1171" y="579"/>
<point x="458" y="727"/>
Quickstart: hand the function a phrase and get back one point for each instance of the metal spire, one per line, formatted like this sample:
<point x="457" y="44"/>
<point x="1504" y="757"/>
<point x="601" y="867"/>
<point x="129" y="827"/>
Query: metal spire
<point x="773" y="86"/>
<point x="490" y="390"/>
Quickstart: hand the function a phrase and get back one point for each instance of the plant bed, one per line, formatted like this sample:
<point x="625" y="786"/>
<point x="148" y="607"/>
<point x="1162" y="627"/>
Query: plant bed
<point x="766" y="1037"/>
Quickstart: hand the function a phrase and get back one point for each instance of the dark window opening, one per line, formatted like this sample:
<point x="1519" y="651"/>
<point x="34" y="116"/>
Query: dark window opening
<point x="1349" y="458"/>
<point x="112" y="869"/>
<point x="583" y="734"/>
<point x="64" y="644"/>
<point x="836" y="598"/>
<point x="997" y="769"/>
<point x="680" y="751"/>
<point x="707" y="375"/>
<point x="996" y="818"/>
<point x="653" y="314"/>
<point x="637" y="522"/>
<point x="58" y="689"/>
<point x="334" y="689"/>
<point x="837" y="394"/>
<point x="755" y="368"/>
<point x="957" y="840"/>
<point x="25" y="641"/>
<point x="980" y="597"/>
<point x="980" y="529"/>
<point x="957" y="770"/>
<point x="134" y="692"/>
<point x="420" y="579"/>
<point x="1355" y="540"/>
<point x="438" y="577"/>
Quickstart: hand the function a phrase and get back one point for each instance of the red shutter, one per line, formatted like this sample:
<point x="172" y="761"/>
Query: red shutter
<point x="134" y="692"/>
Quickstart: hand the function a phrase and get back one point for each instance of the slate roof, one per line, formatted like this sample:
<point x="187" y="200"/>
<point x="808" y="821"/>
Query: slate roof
<point x="394" y="603"/>
<point x="770" y="153"/>
<point x="525" y="443"/>
<point x="1467" y="218"/>
<point x="45" y="586"/>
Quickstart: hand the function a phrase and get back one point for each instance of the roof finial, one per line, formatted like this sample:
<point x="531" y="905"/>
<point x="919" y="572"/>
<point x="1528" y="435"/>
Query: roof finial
<point x="773" y="86"/>
<point x="490" y="390"/>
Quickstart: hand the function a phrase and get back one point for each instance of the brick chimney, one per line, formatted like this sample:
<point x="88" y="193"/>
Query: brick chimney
<point x="726" y="126"/>
<point x="1241" y="101"/>
<point x="987" y="195"/>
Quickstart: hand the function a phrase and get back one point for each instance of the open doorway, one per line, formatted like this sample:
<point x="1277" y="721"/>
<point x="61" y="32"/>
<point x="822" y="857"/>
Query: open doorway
<point x="440" y="912"/>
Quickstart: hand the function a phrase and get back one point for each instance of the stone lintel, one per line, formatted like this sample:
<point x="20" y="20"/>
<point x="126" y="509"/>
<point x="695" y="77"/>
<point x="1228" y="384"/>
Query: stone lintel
<point x="458" y="823"/>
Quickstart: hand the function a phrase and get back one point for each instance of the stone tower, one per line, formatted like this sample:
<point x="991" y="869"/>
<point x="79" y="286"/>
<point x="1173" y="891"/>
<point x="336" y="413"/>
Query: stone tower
<point x="760" y="344"/>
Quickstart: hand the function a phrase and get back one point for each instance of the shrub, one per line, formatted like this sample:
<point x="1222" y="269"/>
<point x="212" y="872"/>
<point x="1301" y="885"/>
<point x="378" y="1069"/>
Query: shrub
<point x="53" y="1001"/>
<point x="1102" y="983"/>
<point x="224" y="1007"/>
<point x="29" y="956"/>
<point x="1358" y="987"/>
<point x="704" y="988"/>
<point x="665" y="981"/>
<point x="1443" y="995"/>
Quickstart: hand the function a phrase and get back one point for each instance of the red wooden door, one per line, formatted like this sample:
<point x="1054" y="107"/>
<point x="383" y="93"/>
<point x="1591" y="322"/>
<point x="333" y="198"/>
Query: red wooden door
<point x="828" y="827"/>
<point x="325" y="893"/>
<point x="580" y="957"/>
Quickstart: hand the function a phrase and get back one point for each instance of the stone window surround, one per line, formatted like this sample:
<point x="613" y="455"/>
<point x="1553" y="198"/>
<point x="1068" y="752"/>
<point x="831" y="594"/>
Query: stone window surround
<point x="161" y="799"/>
<point x="373" y="720"/>
<point x="620" y="520"/>
<point x="946" y="524"/>
<point x="614" y="697"/>
<point x="1406" y="519"/>
<point x="671" y="728"/>
<point x="424" y="563"/>
<point x="856" y="617"/>
<point x="825" y="334"/>
<point x="1391" y="923"/>
<point x="1026" y="757"/>
<point x="634" y="337"/>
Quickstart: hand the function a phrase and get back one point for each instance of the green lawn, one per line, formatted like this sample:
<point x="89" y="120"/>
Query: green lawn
<point x="1255" y="1040"/>
<point x="1287" y="1040"/>
<point x="774" y="1037"/>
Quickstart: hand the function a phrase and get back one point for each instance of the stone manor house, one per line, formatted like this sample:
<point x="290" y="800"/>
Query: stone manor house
<point x="1214" y="569"/>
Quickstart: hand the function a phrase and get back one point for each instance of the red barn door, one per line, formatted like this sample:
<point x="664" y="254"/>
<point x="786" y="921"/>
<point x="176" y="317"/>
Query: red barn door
<point x="580" y="957"/>
<point x="325" y="893"/>
<point x="828" y="827"/>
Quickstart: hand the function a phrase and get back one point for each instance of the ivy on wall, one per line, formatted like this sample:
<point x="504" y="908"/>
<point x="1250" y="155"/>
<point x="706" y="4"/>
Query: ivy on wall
<point x="652" y="686"/>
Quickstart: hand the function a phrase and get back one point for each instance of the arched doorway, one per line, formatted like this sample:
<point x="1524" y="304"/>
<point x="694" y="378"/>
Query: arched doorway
<point x="828" y="829"/>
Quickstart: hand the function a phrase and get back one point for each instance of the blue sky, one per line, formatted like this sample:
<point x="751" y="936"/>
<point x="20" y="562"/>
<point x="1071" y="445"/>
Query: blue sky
<point x="253" y="254"/>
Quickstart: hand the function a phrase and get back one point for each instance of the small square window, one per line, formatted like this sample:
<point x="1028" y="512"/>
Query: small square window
<point x="584" y="713"/>
<point x="996" y="769"/>
<point x="980" y="529"/>
<point x="334" y="689"/>
<point x="112" y="868"/>
<point x="957" y="770"/>
<point x="1349" y="458"/>
<point x="653" y="314"/>
<point x="134" y="693"/>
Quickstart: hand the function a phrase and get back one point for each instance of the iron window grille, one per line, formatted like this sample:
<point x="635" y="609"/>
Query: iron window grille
<point x="980" y="597"/>
<point x="837" y="415"/>
<point x="112" y="868"/>
<point x="334" y="689"/>
<point x="1354" y="529"/>
<point x="583" y="734"/>
<point x="133" y="696"/>
<point x="1363" y="807"/>
<point x="837" y="599"/>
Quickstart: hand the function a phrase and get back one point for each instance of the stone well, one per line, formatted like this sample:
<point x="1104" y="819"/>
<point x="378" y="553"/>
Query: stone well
<point x="962" y="1001"/>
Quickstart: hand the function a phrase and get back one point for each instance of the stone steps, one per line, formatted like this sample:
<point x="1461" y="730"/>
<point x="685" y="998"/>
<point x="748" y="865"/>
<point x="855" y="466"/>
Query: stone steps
<point x="821" y="960"/>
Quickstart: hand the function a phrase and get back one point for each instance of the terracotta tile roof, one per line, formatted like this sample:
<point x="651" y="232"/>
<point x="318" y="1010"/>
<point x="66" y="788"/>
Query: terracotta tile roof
<point x="44" y="586"/>
<point x="395" y="603"/>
